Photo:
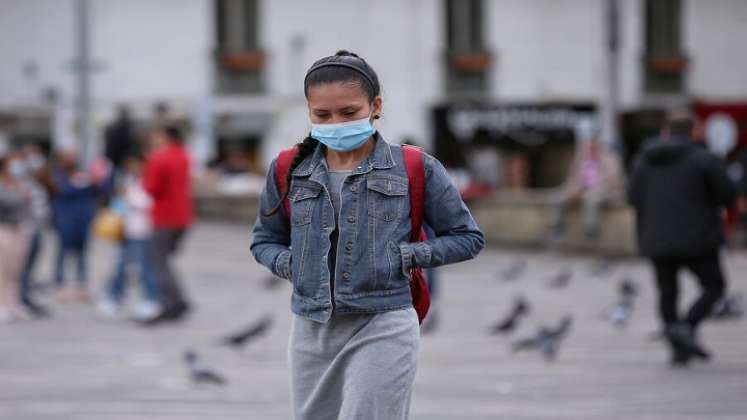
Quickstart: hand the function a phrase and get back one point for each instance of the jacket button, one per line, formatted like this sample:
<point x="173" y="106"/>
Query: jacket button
<point x="349" y="246"/>
<point x="346" y="275"/>
<point x="351" y="219"/>
<point x="353" y="188"/>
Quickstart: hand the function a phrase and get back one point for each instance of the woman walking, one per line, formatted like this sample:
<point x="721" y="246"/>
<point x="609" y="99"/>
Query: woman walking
<point x="14" y="238"/>
<point x="343" y="242"/>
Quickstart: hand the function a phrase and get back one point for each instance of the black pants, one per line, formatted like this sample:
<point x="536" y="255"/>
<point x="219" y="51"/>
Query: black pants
<point x="165" y="244"/>
<point x="708" y="271"/>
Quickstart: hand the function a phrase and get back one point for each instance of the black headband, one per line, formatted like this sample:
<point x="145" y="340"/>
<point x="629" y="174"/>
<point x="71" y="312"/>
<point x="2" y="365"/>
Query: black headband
<point x="359" y="69"/>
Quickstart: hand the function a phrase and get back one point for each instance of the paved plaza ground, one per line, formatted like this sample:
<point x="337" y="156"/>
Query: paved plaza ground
<point x="78" y="367"/>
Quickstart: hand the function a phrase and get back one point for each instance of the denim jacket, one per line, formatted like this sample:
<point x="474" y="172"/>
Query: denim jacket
<point x="374" y="256"/>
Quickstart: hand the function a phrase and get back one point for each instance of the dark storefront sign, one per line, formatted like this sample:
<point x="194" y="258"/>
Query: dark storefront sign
<point x="541" y="134"/>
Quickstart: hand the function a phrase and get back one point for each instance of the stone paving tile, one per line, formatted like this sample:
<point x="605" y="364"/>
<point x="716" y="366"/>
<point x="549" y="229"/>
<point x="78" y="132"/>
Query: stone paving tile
<point x="79" y="367"/>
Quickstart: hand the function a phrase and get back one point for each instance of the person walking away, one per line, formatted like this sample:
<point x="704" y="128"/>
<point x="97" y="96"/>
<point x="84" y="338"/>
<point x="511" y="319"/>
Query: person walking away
<point x="14" y="238"/>
<point x="73" y="210"/>
<point x="135" y="205"/>
<point x="678" y="191"/>
<point x="167" y="180"/>
<point x="119" y="138"/>
<point x="31" y="171"/>
<point x="344" y="243"/>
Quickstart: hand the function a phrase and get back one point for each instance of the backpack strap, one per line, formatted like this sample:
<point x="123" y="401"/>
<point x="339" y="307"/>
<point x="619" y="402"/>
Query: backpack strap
<point x="282" y="166"/>
<point x="413" y="157"/>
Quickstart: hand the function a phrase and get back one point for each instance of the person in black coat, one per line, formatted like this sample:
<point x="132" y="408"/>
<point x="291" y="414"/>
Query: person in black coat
<point x="119" y="137"/>
<point x="678" y="191"/>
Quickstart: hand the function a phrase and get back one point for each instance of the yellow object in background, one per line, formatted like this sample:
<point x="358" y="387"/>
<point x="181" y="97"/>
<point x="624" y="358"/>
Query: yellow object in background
<point x="109" y="226"/>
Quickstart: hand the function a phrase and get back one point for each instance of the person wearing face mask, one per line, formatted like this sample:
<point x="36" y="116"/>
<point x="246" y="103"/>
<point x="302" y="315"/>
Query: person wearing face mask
<point x="14" y="235"/>
<point x="73" y="209"/>
<point x="34" y="175"/>
<point x="340" y="232"/>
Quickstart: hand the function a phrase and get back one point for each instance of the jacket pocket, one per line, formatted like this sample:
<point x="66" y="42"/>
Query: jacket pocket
<point x="386" y="197"/>
<point x="302" y="198"/>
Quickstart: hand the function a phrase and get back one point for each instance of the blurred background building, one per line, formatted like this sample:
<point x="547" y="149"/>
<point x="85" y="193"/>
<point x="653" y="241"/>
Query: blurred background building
<point x="504" y="86"/>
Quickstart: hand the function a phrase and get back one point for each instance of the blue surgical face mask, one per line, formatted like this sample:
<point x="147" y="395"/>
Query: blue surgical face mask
<point x="17" y="169"/>
<point x="343" y="137"/>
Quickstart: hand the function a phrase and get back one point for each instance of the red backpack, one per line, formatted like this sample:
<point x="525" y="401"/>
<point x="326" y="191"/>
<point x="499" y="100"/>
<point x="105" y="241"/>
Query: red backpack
<point x="421" y="297"/>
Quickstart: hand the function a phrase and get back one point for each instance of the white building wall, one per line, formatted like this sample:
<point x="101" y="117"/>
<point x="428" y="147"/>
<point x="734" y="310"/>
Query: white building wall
<point x="546" y="50"/>
<point x="715" y="37"/>
<point x="145" y="49"/>
<point x="543" y="50"/>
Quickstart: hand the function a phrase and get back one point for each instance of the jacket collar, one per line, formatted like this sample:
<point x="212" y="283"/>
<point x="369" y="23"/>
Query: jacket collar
<point x="380" y="158"/>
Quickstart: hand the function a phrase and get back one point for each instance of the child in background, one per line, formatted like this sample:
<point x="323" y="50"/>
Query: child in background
<point x="73" y="209"/>
<point x="133" y="204"/>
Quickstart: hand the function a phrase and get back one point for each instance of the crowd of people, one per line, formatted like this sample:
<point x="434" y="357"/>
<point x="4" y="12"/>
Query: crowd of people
<point x="146" y="187"/>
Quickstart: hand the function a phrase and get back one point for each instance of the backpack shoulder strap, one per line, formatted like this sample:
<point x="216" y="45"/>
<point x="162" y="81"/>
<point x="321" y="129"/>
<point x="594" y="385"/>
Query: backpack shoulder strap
<point x="282" y="166"/>
<point x="413" y="157"/>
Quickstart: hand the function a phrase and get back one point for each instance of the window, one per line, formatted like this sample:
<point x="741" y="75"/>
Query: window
<point x="467" y="61"/>
<point x="664" y="63"/>
<point x="239" y="59"/>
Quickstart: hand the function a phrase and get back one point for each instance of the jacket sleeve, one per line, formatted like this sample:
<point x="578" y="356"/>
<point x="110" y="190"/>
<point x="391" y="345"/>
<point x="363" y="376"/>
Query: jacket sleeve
<point x="634" y="183"/>
<point x="724" y="190"/>
<point x="457" y="237"/>
<point x="271" y="234"/>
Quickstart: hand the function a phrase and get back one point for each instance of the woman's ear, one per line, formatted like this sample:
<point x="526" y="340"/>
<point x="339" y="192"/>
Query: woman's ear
<point x="377" y="105"/>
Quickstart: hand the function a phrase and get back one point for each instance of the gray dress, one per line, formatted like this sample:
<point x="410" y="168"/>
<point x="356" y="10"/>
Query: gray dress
<point x="356" y="366"/>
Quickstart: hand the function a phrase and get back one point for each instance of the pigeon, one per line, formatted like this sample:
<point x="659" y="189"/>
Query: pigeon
<point x="520" y="308"/>
<point x="729" y="307"/>
<point x="561" y="279"/>
<point x="628" y="289"/>
<point x="240" y="339"/>
<point x="547" y="339"/>
<point x="619" y="313"/>
<point x="601" y="267"/>
<point x="514" y="271"/>
<point x="200" y="373"/>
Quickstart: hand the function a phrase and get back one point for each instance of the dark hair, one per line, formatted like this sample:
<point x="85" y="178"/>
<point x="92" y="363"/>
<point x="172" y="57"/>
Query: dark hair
<point x="345" y="67"/>
<point x="174" y="134"/>
<point x="680" y="123"/>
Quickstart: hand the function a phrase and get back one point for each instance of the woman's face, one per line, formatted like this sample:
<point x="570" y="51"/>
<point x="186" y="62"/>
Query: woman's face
<point x="331" y="103"/>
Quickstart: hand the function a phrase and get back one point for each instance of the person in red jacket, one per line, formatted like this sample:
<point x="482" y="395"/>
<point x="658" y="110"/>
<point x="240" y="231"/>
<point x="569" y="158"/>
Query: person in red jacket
<point x="167" y="180"/>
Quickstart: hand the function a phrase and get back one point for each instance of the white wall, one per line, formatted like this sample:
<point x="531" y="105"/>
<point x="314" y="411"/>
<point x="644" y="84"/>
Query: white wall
<point x="147" y="49"/>
<point x="397" y="37"/>
<point x="716" y="39"/>
<point x="545" y="49"/>
<point x="42" y="31"/>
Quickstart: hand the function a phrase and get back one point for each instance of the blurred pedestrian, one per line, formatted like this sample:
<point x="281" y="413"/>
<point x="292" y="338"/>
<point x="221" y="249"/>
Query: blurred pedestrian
<point x="742" y="203"/>
<point x="73" y="209"/>
<point x="134" y="205"/>
<point x="679" y="191"/>
<point x="14" y="235"/>
<point x="34" y="174"/>
<point x="120" y="141"/>
<point x="594" y="179"/>
<point x="354" y="335"/>
<point x="167" y="179"/>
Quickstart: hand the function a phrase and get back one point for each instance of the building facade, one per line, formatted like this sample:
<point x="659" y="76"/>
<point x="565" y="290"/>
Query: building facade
<point x="234" y="68"/>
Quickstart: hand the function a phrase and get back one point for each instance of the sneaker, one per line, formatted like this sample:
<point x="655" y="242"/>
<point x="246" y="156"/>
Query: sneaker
<point x="36" y="310"/>
<point x="108" y="308"/>
<point x="147" y="310"/>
